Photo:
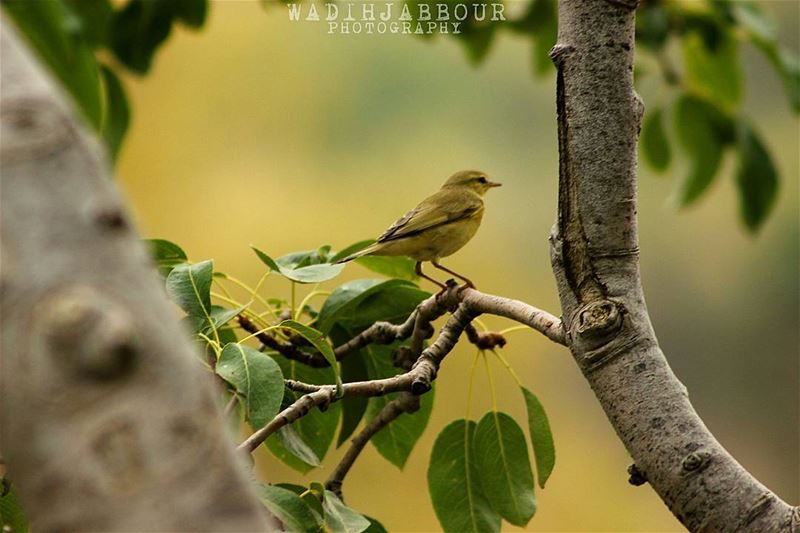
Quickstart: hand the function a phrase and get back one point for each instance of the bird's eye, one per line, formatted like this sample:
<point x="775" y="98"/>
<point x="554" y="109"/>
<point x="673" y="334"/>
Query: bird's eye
<point x="482" y="179"/>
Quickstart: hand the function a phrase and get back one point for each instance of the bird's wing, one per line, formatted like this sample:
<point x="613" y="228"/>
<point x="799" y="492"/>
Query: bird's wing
<point x="442" y="208"/>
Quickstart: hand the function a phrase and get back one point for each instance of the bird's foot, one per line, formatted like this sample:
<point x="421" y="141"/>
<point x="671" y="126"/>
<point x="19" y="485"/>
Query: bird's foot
<point x="449" y="284"/>
<point x="467" y="285"/>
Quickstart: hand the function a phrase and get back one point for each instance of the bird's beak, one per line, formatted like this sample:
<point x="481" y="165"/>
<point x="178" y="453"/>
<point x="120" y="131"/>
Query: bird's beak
<point x="494" y="184"/>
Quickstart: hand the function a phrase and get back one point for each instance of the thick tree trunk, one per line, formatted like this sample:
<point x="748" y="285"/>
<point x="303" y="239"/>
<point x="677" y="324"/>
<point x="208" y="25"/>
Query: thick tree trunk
<point x="595" y="257"/>
<point x="107" y="422"/>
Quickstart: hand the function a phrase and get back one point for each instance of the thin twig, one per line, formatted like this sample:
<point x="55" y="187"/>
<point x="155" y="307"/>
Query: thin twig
<point x="417" y="326"/>
<point x="229" y="407"/>
<point x="406" y="403"/>
<point x="378" y="333"/>
<point x="417" y="380"/>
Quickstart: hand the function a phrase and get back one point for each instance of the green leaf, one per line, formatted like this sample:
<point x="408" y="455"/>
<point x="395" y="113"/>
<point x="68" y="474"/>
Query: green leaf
<point x="787" y="64"/>
<point x="756" y="179"/>
<point x="392" y="303"/>
<point x="218" y="317"/>
<point x="267" y="260"/>
<point x="287" y="507"/>
<point x="94" y="16"/>
<point x="166" y="254"/>
<point x="316" y="429"/>
<point x="221" y="315"/>
<point x="652" y="26"/>
<point x="790" y="70"/>
<point x="501" y="457"/>
<point x="702" y="140"/>
<point x="477" y="39"/>
<point x="340" y="518"/>
<point x="754" y="20"/>
<point x="358" y="304"/>
<point x="393" y="267"/>
<point x="544" y="449"/>
<point x="55" y="33"/>
<point x="191" y="12"/>
<point x="307" y="257"/>
<point x="713" y="74"/>
<point x="455" y="488"/>
<point x="11" y="513"/>
<point x="226" y="335"/>
<point x="189" y="286"/>
<point x="317" y="339"/>
<point x="374" y="526"/>
<point x="313" y="273"/>
<point x="347" y="293"/>
<point x="541" y="24"/>
<point x="138" y="29"/>
<point x="294" y="444"/>
<point x="257" y="378"/>
<point x="116" y="116"/>
<point x="395" y="441"/>
<point x="299" y="267"/>
<point x="655" y="145"/>
<point x="311" y="496"/>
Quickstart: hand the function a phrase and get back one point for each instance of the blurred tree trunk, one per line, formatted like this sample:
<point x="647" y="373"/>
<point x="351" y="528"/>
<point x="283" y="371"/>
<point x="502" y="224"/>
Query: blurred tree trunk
<point x="107" y="423"/>
<point x="595" y="257"/>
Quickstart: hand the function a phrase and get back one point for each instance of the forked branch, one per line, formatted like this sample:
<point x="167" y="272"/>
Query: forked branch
<point x="468" y="304"/>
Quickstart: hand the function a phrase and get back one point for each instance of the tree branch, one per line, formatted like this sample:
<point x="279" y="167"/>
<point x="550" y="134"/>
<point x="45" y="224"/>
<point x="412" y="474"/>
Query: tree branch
<point x="406" y="403"/>
<point x="105" y="390"/>
<point x="417" y="380"/>
<point x="595" y="258"/>
<point x="469" y="303"/>
<point x="418" y="326"/>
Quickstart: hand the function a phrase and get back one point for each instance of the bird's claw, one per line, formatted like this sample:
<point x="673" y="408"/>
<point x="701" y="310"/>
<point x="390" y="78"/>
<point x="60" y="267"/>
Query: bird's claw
<point x="467" y="285"/>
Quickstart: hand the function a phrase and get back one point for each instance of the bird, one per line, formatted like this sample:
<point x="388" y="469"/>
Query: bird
<point x="438" y="227"/>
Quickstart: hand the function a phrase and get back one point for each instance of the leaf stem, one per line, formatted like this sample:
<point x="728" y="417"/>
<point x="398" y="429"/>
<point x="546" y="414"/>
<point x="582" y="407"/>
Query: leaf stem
<point x="294" y="288"/>
<point x="491" y="381"/>
<point x="253" y="293"/>
<point x="472" y="368"/>
<point x="259" y="332"/>
<point x="513" y="328"/>
<point x="314" y="292"/>
<point x="215" y="344"/>
<point x="508" y="367"/>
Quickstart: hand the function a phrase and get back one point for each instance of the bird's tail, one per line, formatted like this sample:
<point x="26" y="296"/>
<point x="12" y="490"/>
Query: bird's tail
<point x="366" y="251"/>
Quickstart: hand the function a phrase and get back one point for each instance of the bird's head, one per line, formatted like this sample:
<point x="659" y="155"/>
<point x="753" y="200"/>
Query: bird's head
<point x="472" y="180"/>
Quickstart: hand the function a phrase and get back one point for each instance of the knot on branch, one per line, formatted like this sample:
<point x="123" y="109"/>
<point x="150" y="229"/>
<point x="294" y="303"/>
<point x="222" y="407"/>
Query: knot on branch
<point x="33" y="126"/>
<point x="636" y="477"/>
<point x="559" y="52"/>
<point x="403" y="357"/>
<point x="110" y="217"/>
<point x="384" y="332"/>
<point x="424" y="374"/>
<point x="695" y="462"/>
<point x="598" y="322"/>
<point x="92" y="336"/>
<point x="422" y="384"/>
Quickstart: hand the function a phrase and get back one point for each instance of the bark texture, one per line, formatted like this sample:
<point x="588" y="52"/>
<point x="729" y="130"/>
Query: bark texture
<point x="107" y="423"/>
<point x="595" y="256"/>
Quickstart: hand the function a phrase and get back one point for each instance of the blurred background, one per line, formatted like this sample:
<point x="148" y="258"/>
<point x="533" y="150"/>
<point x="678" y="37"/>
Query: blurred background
<point x="265" y="131"/>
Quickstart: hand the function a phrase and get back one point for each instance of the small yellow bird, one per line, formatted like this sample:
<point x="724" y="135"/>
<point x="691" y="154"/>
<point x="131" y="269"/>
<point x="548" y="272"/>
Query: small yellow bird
<point x="439" y="226"/>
